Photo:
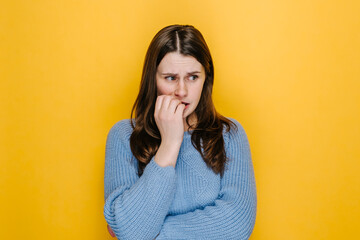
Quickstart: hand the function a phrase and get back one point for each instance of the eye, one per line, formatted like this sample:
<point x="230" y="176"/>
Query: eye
<point x="193" y="77"/>
<point x="170" y="78"/>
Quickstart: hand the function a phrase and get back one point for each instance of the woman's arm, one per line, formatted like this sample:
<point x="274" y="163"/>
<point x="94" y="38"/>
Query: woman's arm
<point x="135" y="208"/>
<point x="232" y="216"/>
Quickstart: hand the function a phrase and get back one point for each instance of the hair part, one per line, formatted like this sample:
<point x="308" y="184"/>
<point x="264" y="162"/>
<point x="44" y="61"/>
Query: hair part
<point x="207" y="135"/>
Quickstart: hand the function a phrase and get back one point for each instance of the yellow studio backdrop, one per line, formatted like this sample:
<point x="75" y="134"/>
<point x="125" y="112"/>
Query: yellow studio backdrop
<point x="288" y="71"/>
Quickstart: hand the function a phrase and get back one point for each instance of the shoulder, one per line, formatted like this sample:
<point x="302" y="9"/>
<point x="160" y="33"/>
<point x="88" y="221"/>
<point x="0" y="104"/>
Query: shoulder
<point x="120" y="131"/>
<point x="235" y="127"/>
<point x="236" y="133"/>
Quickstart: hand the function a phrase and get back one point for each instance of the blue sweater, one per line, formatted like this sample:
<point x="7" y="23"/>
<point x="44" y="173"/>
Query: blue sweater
<point x="189" y="201"/>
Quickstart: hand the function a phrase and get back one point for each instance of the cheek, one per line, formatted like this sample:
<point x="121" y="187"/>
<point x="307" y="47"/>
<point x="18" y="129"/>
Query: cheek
<point x="199" y="91"/>
<point x="163" y="89"/>
<point x="158" y="88"/>
<point x="160" y="91"/>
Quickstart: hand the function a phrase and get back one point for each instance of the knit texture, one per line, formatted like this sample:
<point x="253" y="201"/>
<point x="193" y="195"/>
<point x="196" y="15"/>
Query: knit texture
<point x="189" y="201"/>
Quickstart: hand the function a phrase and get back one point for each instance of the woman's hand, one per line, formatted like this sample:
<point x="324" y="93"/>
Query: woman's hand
<point x="169" y="120"/>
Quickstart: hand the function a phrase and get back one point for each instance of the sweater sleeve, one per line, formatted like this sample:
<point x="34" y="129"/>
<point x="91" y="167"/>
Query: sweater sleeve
<point x="232" y="215"/>
<point x="135" y="208"/>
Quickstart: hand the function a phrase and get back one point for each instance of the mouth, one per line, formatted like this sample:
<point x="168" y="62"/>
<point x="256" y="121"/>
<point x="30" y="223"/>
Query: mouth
<point x="186" y="104"/>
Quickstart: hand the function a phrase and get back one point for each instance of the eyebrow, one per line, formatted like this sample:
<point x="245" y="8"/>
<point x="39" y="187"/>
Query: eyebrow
<point x="177" y="74"/>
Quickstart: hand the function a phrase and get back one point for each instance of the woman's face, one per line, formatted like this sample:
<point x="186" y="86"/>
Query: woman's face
<point x="182" y="77"/>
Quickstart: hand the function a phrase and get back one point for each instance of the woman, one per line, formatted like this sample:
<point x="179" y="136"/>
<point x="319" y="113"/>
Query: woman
<point x="178" y="169"/>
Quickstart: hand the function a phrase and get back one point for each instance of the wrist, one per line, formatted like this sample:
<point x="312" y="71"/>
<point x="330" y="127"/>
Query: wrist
<point x="167" y="154"/>
<point x="171" y="144"/>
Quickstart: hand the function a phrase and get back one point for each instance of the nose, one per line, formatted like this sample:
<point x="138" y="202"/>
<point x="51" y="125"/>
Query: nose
<point x="181" y="89"/>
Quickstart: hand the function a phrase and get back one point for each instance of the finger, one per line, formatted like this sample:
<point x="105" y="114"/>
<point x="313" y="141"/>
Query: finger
<point x="174" y="103"/>
<point x="180" y="109"/>
<point x="166" y="102"/>
<point x="158" y="104"/>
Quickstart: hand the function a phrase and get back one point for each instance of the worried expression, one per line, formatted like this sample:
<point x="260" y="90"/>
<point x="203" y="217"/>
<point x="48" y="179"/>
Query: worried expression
<point x="182" y="77"/>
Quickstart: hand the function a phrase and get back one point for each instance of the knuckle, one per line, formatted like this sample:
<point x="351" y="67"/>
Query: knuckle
<point x="175" y="101"/>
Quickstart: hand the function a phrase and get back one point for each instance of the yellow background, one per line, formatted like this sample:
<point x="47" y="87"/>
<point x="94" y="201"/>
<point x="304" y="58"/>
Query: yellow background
<point x="289" y="71"/>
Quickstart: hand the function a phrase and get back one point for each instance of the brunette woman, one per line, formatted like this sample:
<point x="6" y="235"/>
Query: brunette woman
<point x="178" y="169"/>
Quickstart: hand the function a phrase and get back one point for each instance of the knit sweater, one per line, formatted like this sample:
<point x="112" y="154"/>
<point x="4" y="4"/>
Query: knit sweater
<point x="189" y="201"/>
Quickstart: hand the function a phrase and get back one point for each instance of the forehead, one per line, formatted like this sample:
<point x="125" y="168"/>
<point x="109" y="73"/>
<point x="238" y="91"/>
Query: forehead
<point x="175" y="62"/>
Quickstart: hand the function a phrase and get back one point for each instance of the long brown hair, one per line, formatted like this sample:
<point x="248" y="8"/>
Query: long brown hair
<point x="207" y="135"/>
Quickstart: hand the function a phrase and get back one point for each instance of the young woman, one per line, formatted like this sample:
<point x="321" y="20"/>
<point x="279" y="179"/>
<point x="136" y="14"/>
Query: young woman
<point x="178" y="169"/>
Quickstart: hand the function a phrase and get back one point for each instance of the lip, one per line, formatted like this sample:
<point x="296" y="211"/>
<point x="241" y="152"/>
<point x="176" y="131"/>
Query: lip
<point x="186" y="104"/>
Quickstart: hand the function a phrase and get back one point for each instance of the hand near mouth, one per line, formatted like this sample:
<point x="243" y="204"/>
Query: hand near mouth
<point x="186" y="104"/>
<point x="169" y="120"/>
